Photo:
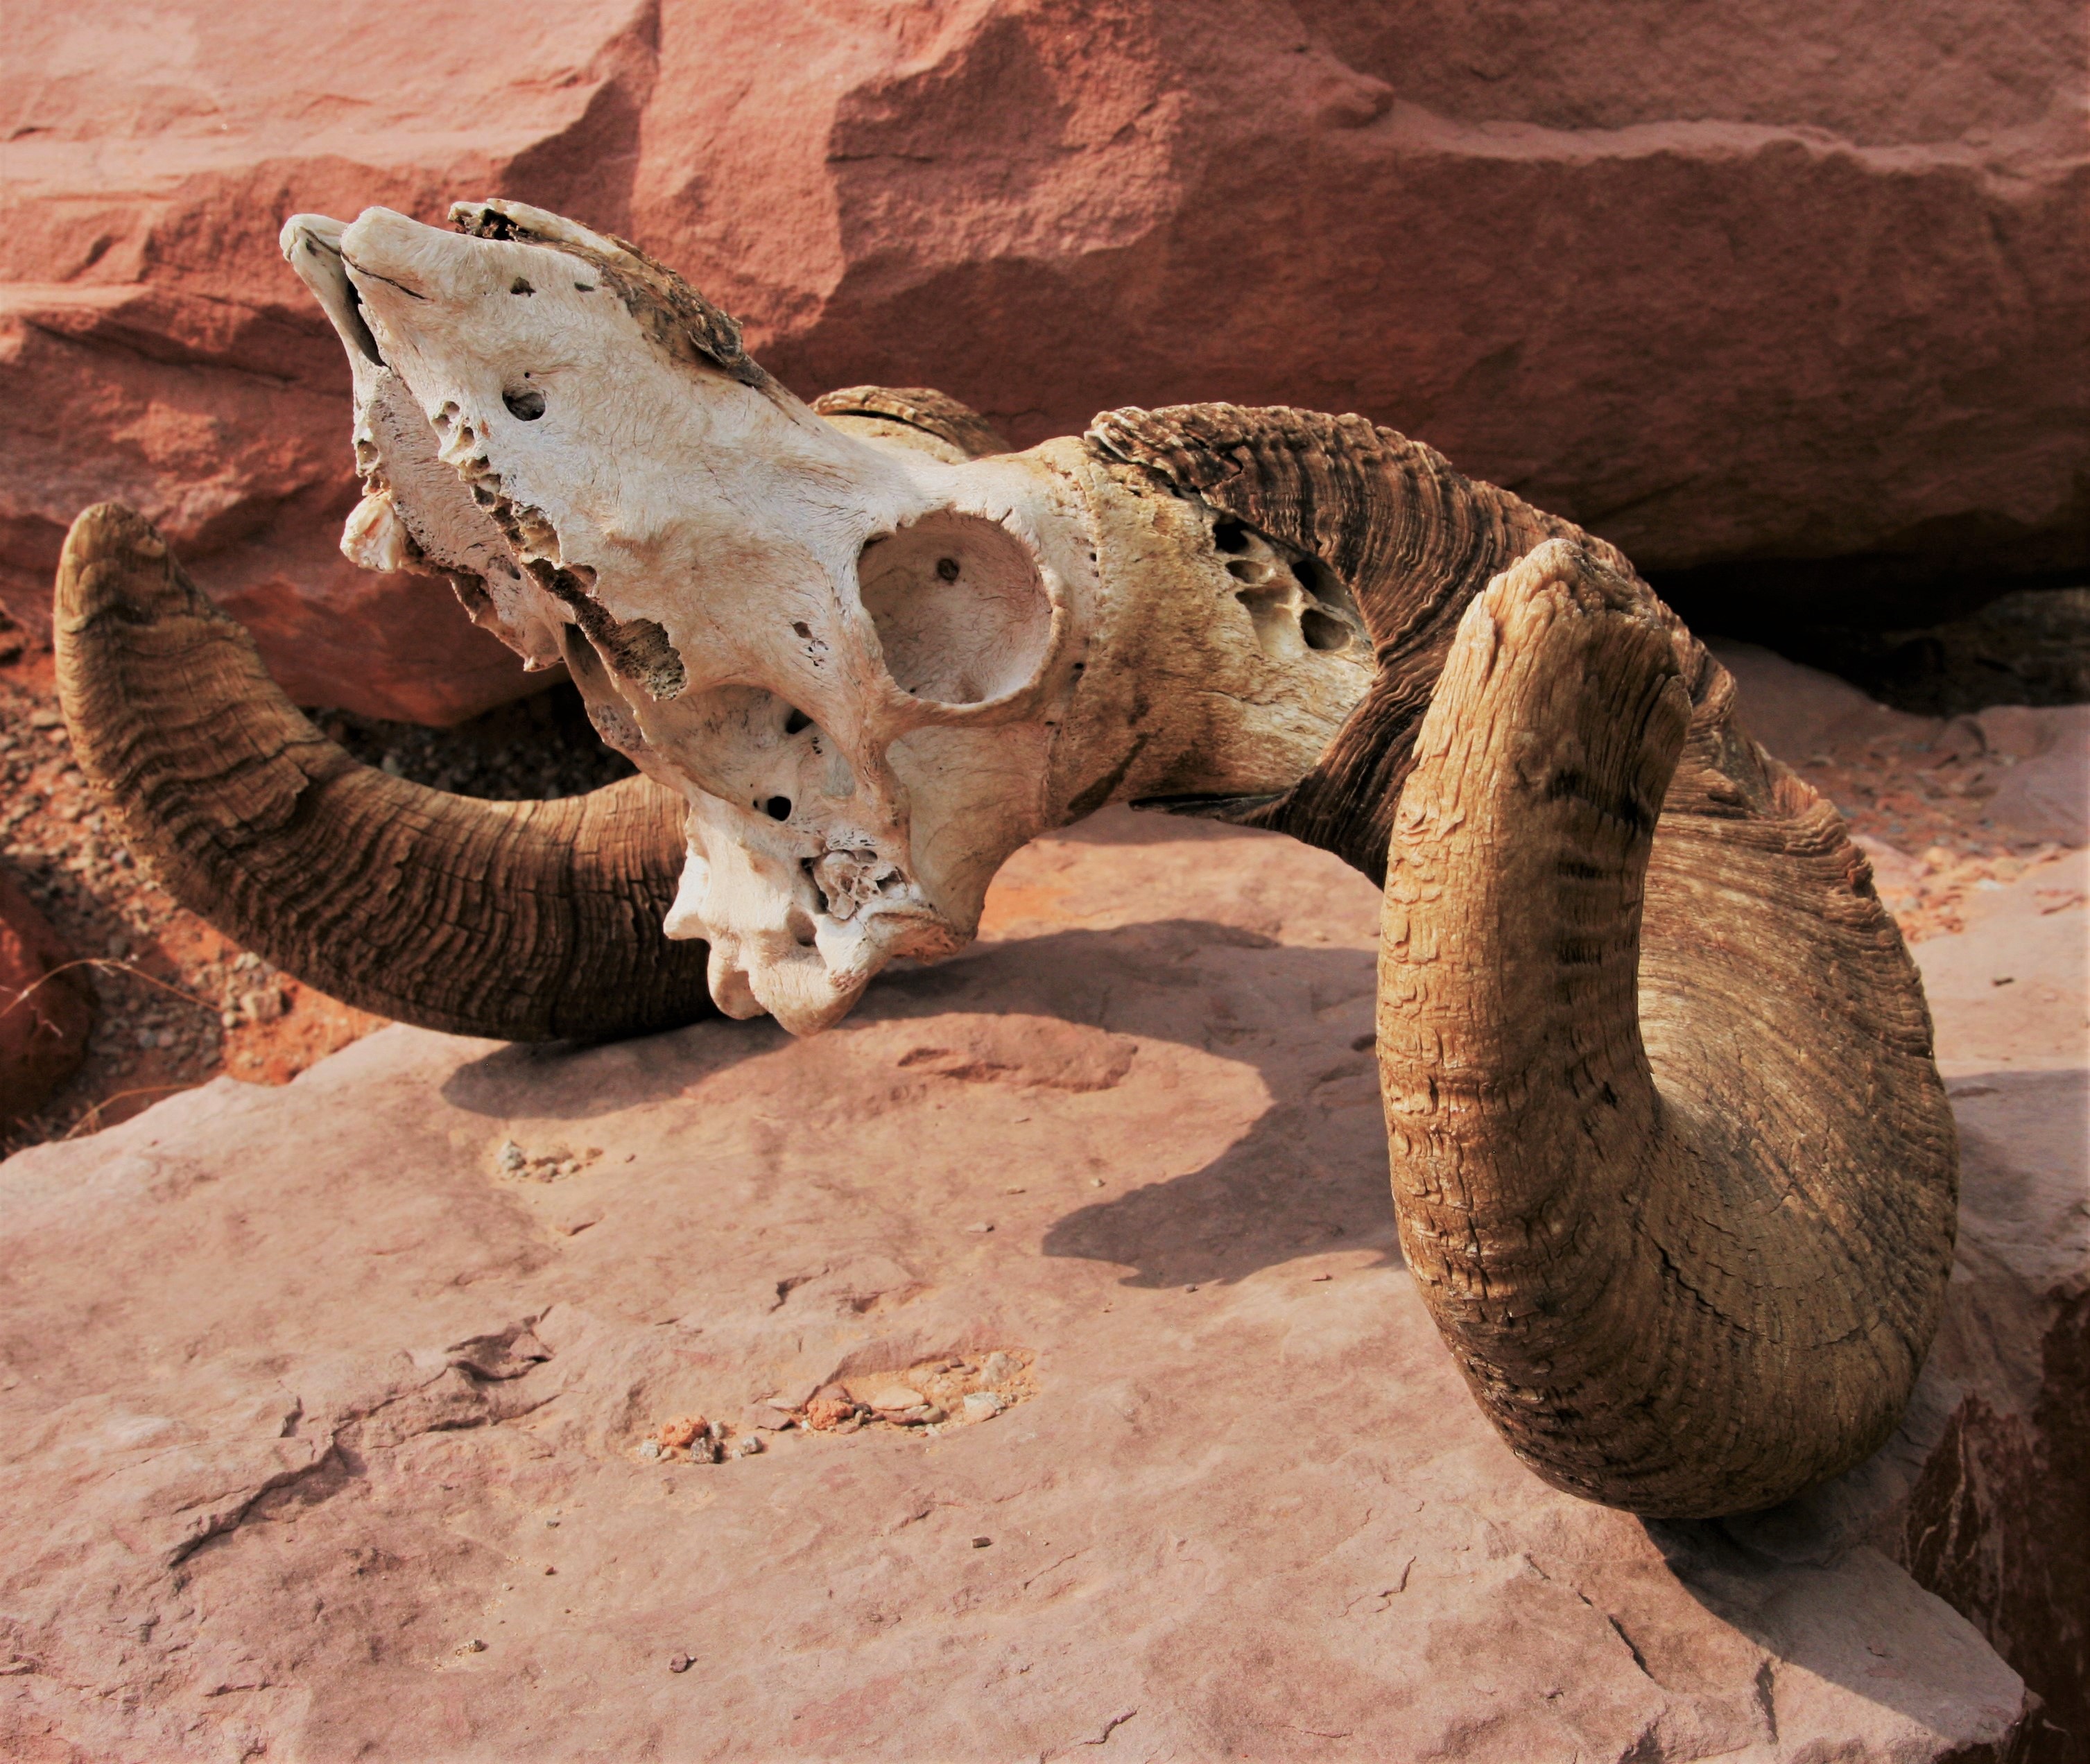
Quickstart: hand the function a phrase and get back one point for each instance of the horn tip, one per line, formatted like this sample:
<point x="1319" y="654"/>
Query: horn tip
<point x="114" y="561"/>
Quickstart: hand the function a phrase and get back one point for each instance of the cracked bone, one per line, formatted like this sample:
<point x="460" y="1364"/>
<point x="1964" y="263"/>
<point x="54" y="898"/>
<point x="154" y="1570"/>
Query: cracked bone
<point x="870" y="672"/>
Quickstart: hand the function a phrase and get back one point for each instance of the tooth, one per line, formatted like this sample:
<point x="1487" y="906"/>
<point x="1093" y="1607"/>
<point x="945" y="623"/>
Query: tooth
<point x="376" y="538"/>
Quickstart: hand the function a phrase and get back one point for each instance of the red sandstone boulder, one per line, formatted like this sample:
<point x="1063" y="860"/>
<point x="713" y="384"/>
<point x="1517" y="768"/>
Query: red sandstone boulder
<point x="46" y="1015"/>
<point x="1761" y="280"/>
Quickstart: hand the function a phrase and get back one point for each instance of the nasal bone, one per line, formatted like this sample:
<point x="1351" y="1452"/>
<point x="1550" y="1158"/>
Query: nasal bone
<point x="310" y="244"/>
<point x="319" y="231"/>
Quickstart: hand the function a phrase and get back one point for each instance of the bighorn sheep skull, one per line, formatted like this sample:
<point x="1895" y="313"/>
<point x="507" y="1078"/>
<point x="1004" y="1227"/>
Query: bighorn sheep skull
<point x="859" y="663"/>
<point x="1674" y="1169"/>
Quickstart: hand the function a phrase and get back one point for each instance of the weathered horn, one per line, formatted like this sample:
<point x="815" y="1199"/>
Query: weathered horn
<point x="1675" y="1169"/>
<point x="528" y="921"/>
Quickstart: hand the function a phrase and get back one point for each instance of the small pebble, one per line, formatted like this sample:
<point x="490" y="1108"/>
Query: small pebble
<point x="747" y="1446"/>
<point x="999" y="1368"/>
<point x="981" y="1543"/>
<point x="833" y="1408"/>
<point x="649" y="1448"/>
<point x="981" y="1227"/>
<point x="983" y="1405"/>
<point x="263" y="1005"/>
<point x="511" y="1156"/>
<point x="473" y="1647"/>
<point x="681" y="1662"/>
<point x="682" y="1431"/>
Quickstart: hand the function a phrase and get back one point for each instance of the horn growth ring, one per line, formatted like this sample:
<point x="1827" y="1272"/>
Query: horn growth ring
<point x="1675" y="1170"/>
<point x="527" y="921"/>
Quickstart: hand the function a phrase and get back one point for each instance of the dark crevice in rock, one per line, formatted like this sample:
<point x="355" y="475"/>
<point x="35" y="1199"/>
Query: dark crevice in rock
<point x="1937" y="645"/>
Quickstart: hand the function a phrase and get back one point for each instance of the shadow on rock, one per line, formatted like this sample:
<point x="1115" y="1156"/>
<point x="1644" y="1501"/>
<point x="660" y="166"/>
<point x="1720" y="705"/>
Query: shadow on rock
<point x="1282" y="1193"/>
<point x="1761" y="1594"/>
<point x="573" y="1080"/>
<point x="1309" y="1177"/>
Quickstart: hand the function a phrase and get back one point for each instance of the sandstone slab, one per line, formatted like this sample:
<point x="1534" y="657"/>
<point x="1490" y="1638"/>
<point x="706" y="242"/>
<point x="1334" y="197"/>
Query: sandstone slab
<point x="325" y="1412"/>
<point x="1768" y="280"/>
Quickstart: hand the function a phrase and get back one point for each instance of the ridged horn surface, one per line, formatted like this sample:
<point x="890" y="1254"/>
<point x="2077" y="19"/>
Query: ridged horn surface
<point x="527" y="921"/>
<point x="1675" y="1169"/>
<point x="959" y="426"/>
<point x="1409" y="537"/>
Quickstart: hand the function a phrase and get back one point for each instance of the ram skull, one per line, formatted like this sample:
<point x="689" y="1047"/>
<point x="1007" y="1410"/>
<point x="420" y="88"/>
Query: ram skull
<point x="1672" y="1159"/>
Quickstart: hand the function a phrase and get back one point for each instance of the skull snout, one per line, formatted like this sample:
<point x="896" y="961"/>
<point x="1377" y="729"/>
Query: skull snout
<point x="849" y="879"/>
<point x="790" y="935"/>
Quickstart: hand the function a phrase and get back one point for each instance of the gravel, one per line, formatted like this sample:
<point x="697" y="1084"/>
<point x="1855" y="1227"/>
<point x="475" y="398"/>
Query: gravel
<point x="177" y="1004"/>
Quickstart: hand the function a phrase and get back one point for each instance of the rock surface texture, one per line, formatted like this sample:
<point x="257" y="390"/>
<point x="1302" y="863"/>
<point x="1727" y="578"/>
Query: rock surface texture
<point x="1717" y="283"/>
<point x="333" y="1415"/>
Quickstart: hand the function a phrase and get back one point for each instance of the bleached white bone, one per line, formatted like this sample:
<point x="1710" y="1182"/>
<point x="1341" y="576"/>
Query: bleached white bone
<point x="874" y="670"/>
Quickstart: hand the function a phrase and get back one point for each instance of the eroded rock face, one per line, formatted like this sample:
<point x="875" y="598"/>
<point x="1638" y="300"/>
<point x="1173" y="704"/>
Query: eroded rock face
<point x="338" y="1411"/>
<point x="1757" y="281"/>
<point x="46" y="1009"/>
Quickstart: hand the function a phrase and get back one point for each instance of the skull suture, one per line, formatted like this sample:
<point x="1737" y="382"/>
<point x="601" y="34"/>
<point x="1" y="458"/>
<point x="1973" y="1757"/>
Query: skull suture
<point x="873" y="673"/>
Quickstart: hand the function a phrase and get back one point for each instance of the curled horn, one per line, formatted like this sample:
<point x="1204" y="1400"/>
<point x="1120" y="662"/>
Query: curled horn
<point x="1674" y="1166"/>
<point x="528" y="921"/>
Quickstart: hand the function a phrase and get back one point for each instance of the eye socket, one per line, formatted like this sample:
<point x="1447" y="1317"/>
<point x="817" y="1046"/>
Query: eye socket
<point x="526" y="405"/>
<point x="962" y="613"/>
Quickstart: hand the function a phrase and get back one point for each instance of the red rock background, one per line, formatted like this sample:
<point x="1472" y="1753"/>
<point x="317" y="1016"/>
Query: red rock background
<point x="1766" y="281"/>
<point x="47" y="1011"/>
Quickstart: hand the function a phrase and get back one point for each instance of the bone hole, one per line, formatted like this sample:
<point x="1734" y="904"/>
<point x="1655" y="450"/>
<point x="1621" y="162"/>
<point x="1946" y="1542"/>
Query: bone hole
<point x="1249" y="569"/>
<point x="526" y="404"/>
<point x="778" y="808"/>
<point x="1228" y="536"/>
<point x="519" y="285"/>
<point x="797" y="721"/>
<point x="961" y="615"/>
<point x="1322" y="630"/>
<point x="1334" y="612"/>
